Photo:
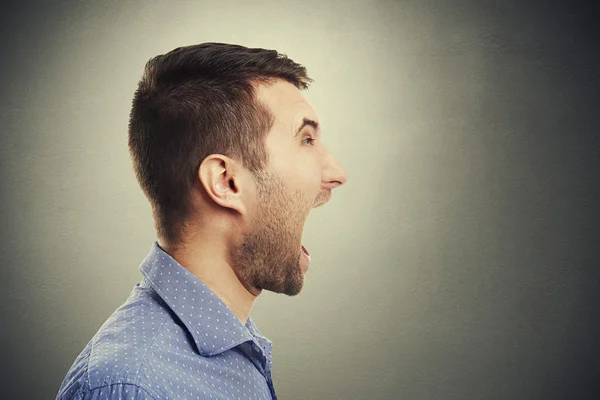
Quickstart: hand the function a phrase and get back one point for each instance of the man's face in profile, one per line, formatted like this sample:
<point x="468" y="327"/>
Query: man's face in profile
<point x="299" y="176"/>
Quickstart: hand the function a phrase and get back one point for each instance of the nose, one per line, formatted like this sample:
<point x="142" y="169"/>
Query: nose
<point x="334" y="174"/>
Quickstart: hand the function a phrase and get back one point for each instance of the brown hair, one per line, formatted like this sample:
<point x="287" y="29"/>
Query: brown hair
<point x="192" y="102"/>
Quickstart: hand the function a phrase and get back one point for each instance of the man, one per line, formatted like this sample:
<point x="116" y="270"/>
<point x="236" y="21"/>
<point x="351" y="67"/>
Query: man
<point x="229" y="154"/>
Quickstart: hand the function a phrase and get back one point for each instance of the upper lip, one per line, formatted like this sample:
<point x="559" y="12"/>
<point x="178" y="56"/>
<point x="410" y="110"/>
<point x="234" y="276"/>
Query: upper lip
<point x="326" y="197"/>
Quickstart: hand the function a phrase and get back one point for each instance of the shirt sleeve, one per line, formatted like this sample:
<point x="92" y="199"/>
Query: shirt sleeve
<point x="117" y="391"/>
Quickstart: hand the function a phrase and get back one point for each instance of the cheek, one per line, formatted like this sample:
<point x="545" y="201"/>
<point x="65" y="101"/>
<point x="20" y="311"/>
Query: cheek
<point x="300" y="168"/>
<point x="312" y="178"/>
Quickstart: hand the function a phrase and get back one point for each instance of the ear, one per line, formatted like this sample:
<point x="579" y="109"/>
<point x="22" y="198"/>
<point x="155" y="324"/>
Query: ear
<point x="221" y="178"/>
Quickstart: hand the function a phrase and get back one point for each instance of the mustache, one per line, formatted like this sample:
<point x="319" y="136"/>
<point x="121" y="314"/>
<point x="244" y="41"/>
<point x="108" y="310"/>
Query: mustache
<point x="323" y="198"/>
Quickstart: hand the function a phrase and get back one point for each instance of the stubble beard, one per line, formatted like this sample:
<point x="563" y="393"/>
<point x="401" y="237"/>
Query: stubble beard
<point x="267" y="257"/>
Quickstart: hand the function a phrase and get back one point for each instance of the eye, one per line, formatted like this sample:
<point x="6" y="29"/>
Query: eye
<point x="311" y="141"/>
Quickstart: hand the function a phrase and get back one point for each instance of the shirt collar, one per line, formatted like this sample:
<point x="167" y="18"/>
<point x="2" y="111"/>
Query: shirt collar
<point x="214" y="327"/>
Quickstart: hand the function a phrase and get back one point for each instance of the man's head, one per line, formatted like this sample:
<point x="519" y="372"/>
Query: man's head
<point x="215" y="141"/>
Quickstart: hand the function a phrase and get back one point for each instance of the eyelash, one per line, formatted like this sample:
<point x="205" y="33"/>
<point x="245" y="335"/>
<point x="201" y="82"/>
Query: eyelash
<point x="311" y="139"/>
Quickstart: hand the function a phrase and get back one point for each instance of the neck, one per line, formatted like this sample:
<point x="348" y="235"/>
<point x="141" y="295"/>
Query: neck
<point x="206" y="258"/>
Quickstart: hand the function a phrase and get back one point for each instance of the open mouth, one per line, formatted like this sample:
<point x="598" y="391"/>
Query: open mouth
<point x="304" y="259"/>
<point x="305" y="251"/>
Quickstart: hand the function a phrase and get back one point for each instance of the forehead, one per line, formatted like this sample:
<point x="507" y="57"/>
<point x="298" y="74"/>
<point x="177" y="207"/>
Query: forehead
<point x="287" y="104"/>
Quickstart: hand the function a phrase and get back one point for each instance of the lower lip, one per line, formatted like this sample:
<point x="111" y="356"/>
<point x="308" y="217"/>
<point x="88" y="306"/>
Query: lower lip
<point x="304" y="259"/>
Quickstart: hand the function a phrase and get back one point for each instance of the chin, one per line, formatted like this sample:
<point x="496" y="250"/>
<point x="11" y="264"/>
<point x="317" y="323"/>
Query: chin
<point x="294" y="284"/>
<point x="294" y="291"/>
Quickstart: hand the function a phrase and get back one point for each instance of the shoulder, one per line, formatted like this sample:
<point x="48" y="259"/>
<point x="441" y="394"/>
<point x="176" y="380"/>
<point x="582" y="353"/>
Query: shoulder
<point x="114" y="361"/>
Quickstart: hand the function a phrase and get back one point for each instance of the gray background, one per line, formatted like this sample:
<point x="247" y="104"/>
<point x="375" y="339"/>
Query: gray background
<point x="459" y="261"/>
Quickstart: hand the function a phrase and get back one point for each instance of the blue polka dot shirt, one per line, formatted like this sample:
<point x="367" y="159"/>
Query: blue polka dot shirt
<point x="173" y="338"/>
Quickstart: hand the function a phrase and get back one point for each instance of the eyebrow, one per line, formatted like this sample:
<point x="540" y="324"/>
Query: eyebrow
<point x="307" y="122"/>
